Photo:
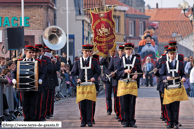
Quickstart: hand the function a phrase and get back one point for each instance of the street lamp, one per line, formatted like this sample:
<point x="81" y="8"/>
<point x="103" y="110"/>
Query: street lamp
<point x="185" y="6"/>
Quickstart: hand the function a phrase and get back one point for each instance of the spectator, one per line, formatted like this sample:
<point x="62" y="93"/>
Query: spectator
<point x="148" y="66"/>
<point x="188" y="66"/>
<point x="2" y="66"/>
<point x="185" y="61"/>
<point x="187" y="84"/>
<point x="63" y="84"/>
<point x="65" y="60"/>
<point x="192" y="81"/>
<point x="20" y="55"/>
<point x="9" y="65"/>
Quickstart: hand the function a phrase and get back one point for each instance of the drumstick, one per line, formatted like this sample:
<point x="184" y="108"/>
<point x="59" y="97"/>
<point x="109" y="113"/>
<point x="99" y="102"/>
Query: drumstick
<point x="174" y="78"/>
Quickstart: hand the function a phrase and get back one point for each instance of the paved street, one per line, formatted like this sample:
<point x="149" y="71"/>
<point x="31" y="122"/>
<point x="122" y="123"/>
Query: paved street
<point x="147" y="112"/>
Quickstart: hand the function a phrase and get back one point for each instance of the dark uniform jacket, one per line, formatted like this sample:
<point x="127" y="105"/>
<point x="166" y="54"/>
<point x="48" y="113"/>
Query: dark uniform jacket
<point x="164" y="72"/>
<point x="56" y="67"/>
<point x="49" y="71"/>
<point x="137" y="67"/>
<point x="112" y="67"/>
<point x="93" y="72"/>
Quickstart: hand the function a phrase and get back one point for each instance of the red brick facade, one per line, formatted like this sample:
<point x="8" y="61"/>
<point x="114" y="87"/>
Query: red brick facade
<point x="40" y="12"/>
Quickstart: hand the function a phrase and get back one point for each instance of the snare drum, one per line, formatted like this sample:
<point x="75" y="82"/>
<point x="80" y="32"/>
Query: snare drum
<point x="86" y="90"/>
<point x="177" y="85"/>
<point x="27" y="75"/>
<point x="127" y="86"/>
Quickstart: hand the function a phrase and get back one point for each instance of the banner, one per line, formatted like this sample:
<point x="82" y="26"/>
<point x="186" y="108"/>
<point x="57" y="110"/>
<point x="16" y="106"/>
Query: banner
<point x="172" y="95"/>
<point x="103" y="28"/>
<point x="86" y="92"/>
<point x="127" y="88"/>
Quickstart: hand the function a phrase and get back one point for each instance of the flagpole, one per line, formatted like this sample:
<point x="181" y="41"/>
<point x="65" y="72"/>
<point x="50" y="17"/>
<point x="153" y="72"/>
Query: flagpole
<point x="67" y="27"/>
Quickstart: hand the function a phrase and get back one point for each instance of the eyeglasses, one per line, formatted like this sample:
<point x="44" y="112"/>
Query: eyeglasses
<point x="31" y="52"/>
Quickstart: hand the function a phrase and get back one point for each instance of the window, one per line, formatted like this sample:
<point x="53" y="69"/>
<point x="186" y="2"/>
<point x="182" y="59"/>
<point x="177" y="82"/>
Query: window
<point x="116" y="19"/>
<point x="131" y="28"/>
<point x="141" y="28"/>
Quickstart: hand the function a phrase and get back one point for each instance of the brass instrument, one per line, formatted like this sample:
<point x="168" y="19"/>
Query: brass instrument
<point x="54" y="37"/>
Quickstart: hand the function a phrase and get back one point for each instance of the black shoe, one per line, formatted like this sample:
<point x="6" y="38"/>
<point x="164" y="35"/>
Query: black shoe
<point x="133" y="125"/>
<point x="179" y="124"/>
<point x="119" y="120"/>
<point x="161" y="117"/>
<point x="108" y="113"/>
<point x="93" y="122"/>
<point x="126" y="125"/>
<point x="176" y="126"/>
<point x="47" y="117"/>
<point x="169" y="126"/>
<point x="42" y="119"/>
<point x="83" y="125"/>
<point x="117" y="117"/>
<point x="90" y="125"/>
<point x="51" y="115"/>
<point x="122" y="122"/>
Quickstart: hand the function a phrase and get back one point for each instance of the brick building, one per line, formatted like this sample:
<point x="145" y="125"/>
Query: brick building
<point x="39" y="14"/>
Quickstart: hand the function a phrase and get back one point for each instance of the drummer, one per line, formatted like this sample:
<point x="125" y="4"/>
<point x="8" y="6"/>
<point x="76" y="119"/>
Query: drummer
<point x="94" y="72"/>
<point x="129" y="101"/>
<point x="29" y="97"/>
<point x="172" y="108"/>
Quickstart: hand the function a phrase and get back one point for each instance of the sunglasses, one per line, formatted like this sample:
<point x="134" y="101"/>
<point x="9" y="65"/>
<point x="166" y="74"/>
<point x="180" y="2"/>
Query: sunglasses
<point x="31" y="52"/>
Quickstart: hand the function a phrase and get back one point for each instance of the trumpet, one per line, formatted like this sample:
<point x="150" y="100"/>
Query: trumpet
<point x="109" y="76"/>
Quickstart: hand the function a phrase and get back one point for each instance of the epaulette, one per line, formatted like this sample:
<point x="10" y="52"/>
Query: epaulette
<point x="163" y="62"/>
<point x="163" y="54"/>
<point x="181" y="55"/>
<point x="20" y="59"/>
<point x="76" y="59"/>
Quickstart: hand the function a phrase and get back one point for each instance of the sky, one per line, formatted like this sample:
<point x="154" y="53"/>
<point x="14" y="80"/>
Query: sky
<point x="166" y="3"/>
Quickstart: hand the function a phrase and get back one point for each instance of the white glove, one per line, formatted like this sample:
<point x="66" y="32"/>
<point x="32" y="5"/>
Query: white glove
<point x="14" y="81"/>
<point x="40" y="81"/>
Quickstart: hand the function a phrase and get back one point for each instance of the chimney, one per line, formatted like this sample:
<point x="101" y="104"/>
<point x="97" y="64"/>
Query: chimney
<point x="157" y="5"/>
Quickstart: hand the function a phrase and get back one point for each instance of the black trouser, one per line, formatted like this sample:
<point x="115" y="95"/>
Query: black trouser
<point x="172" y="111"/>
<point x="108" y="93"/>
<point x="94" y="109"/>
<point x="108" y="90"/>
<point x="163" y="113"/>
<point x="39" y="105"/>
<point x="29" y="105"/>
<point x="5" y="104"/>
<point x="121" y="108"/>
<point x="151" y="78"/>
<point x="116" y="101"/>
<point x="44" y="102"/>
<point x="50" y="102"/>
<point x="86" y="107"/>
<point x="129" y="108"/>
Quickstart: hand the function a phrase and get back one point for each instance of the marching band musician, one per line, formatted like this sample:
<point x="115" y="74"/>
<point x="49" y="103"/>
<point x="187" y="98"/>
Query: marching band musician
<point x="56" y="67"/>
<point x="114" y="81"/>
<point x="45" y="57"/>
<point x="93" y="73"/>
<point x="121" y="110"/>
<point x="129" y="101"/>
<point x="172" y="108"/>
<point x="40" y="87"/>
<point x="108" y="85"/>
<point x="29" y="97"/>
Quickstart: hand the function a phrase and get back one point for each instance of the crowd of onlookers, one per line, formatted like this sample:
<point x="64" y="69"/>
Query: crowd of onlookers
<point x="66" y="86"/>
